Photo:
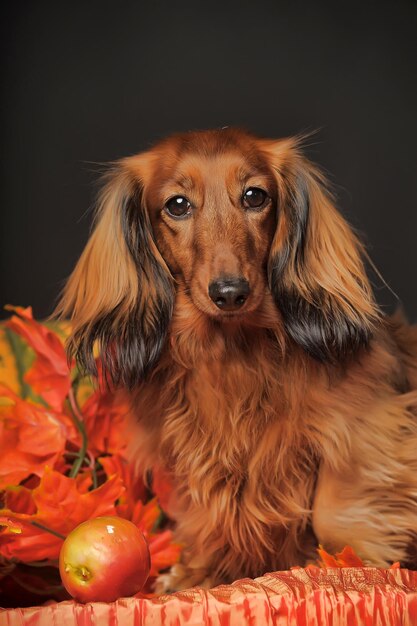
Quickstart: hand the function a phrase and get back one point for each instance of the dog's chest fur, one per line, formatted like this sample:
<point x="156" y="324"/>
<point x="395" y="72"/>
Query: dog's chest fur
<point x="224" y="429"/>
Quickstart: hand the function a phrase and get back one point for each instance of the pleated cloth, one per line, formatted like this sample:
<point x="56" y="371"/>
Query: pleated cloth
<point x="300" y="597"/>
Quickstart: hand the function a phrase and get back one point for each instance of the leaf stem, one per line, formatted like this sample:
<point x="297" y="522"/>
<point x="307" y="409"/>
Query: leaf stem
<point x="48" y="530"/>
<point x="79" y="423"/>
<point x="45" y="563"/>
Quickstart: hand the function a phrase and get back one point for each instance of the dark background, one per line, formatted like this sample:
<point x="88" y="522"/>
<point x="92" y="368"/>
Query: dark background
<point x="88" y="82"/>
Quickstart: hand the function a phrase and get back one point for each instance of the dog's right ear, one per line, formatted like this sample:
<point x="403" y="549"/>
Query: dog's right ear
<point x="120" y="296"/>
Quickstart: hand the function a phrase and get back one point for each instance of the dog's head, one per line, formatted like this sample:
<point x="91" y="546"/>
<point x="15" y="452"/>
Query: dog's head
<point x="230" y="217"/>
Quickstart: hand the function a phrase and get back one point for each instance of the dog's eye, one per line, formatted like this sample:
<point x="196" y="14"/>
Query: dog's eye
<point x="254" y="198"/>
<point x="178" y="206"/>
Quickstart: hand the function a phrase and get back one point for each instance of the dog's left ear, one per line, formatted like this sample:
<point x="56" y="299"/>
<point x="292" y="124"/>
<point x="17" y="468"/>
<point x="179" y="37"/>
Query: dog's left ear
<point x="315" y="271"/>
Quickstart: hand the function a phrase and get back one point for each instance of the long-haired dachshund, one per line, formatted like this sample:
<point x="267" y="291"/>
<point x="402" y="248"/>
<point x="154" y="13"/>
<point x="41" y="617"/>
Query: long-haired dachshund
<point x="227" y="293"/>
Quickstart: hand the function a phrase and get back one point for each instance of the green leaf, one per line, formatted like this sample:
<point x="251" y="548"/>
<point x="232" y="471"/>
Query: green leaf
<point x="24" y="356"/>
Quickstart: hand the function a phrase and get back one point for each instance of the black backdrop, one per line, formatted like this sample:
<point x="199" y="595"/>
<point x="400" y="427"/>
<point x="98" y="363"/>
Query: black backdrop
<point x="87" y="82"/>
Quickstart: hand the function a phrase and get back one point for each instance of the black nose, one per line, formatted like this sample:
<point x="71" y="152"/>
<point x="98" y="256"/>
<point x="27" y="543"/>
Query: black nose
<point x="229" y="294"/>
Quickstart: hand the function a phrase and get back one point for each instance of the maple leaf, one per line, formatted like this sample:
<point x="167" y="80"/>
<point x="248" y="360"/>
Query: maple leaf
<point x="164" y="551"/>
<point x="145" y="516"/>
<point x="19" y="500"/>
<point x="49" y="375"/>
<point x="346" y="558"/>
<point x="135" y="490"/>
<point x="31" y="437"/>
<point x="11" y="526"/>
<point x="61" y="503"/>
<point x="9" y="371"/>
<point x="105" y="415"/>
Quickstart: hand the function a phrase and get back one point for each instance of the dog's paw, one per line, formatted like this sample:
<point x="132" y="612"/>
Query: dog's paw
<point x="181" y="577"/>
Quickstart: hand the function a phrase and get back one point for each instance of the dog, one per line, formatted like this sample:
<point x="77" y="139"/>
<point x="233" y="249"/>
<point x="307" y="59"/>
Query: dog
<point x="225" y="291"/>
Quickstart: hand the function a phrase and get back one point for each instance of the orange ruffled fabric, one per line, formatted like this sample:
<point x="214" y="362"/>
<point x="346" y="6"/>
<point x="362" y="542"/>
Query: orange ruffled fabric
<point x="300" y="597"/>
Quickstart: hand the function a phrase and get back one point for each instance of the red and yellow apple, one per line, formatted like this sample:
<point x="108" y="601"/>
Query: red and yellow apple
<point x="104" y="559"/>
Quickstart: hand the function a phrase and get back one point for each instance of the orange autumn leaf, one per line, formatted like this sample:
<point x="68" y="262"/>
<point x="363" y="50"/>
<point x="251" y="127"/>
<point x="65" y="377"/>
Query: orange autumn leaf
<point x="135" y="491"/>
<point x="60" y="506"/>
<point x="346" y="558"/>
<point x="10" y="526"/>
<point x="164" y="551"/>
<point x="49" y="376"/>
<point x="84" y="481"/>
<point x="146" y="515"/>
<point x="33" y="544"/>
<point x="19" y="500"/>
<point x="31" y="437"/>
<point x="105" y="416"/>
<point x="327" y="560"/>
<point x="64" y="503"/>
<point x="131" y="505"/>
<point x="9" y="372"/>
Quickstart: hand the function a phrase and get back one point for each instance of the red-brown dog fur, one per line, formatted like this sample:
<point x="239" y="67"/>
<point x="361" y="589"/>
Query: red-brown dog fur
<point x="285" y="424"/>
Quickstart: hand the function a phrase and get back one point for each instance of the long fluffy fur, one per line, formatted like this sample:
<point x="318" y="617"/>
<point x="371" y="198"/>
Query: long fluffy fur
<point x="293" y="424"/>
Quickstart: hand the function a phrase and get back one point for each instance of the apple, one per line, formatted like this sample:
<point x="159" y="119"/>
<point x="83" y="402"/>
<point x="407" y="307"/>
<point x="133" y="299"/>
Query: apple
<point x="104" y="559"/>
